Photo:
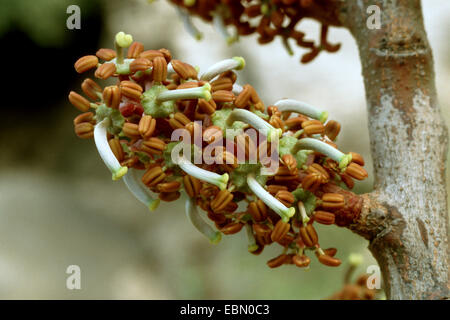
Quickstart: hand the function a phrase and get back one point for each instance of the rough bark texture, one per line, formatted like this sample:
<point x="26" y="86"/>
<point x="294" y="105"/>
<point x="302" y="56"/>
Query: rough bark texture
<point x="405" y="218"/>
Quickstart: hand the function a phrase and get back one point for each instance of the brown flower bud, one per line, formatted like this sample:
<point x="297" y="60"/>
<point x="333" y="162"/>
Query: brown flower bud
<point x="184" y="70"/>
<point x="262" y="233"/>
<point x="221" y="200"/>
<point x="330" y="251"/>
<point x="131" y="130"/>
<point x="290" y="162"/>
<point x="354" y="170"/>
<point x="79" y="102"/>
<point x="153" y="176"/>
<point x="91" y="89"/>
<point x="223" y="96"/>
<point x="284" y="171"/>
<point x="208" y="107"/>
<point x="153" y="145"/>
<point x="151" y="55"/>
<point x="243" y="99"/>
<point x="295" y="122"/>
<point x="333" y="200"/>
<point x="347" y="180"/>
<point x="112" y="96"/>
<point x="280" y="230"/>
<point x="86" y="63"/>
<point x="311" y="182"/>
<point x="232" y="228"/>
<point x="285" y="197"/>
<point x="357" y="158"/>
<point x="188" y="85"/>
<point x="277" y="16"/>
<point x="312" y="233"/>
<point x="105" y="71"/>
<point x="172" y="186"/>
<point x="131" y="90"/>
<point x="147" y="126"/>
<point x="308" y="236"/>
<point x="178" y="121"/>
<point x="159" y="69"/>
<point x="329" y="261"/>
<point x="286" y="240"/>
<point x="217" y="217"/>
<point x="84" y="117"/>
<point x="166" y="53"/>
<point x="276" y="122"/>
<point x="106" y="54"/>
<point x="274" y="188"/>
<point x="317" y="168"/>
<point x="135" y="50"/>
<point x="332" y="129"/>
<point x="222" y="84"/>
<point x="273" y="111"/>
<point x="116" y="148"/>
<point x="169" y="196"/>
<point x="278" y="261"/>
<point x="313" y="127"/>
<point x="84" y="130"/>
<point x="257" y="210"/>
<point x="301" y="261"/>
<point x="324" y="217"/>
<point x="191" y="185"/>
<point x="140" y="64"/>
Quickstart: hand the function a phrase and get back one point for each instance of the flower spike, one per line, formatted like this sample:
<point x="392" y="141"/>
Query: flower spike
<point x="203" y="92"/>
<point x="236" y="63"/>
<point x="284" y="212"/>
<point x="108" y="157"/>
<point x="322" y="147"/>
<point x="218" y="180"/>
<point x="193" y="215"/>
<point x="255" y="121"/>
<point x="139" y="191"/>
<point x="286" y="105"/>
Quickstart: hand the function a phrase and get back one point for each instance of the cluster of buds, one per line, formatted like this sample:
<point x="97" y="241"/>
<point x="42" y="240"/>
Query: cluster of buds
<point x="159" y="109"/>
<point x="267" y="18"/>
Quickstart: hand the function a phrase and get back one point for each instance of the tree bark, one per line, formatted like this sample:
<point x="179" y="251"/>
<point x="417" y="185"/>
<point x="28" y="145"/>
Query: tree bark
<point x="405" y="218"/>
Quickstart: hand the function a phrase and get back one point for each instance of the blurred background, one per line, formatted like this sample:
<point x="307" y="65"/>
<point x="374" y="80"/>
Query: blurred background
<point x="59" y="207"/>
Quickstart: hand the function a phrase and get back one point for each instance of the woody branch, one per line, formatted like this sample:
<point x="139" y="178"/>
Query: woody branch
<point x="405" y="218"/>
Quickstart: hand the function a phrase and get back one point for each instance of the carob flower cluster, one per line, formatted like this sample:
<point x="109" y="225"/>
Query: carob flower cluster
<point x="134" y="120"/>
<point x="267" y="18"/>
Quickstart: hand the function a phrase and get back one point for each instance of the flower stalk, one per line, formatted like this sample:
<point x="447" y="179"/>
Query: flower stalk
<point x="291" y="105"/>
<point x="324" y="148"/>
<point x="255" y="121"/>
<point x="203" y="92"/>
<point x="235" y="63"/>
<point x="218" y="180"/>
<point x="284" y="212"/>
<point x="108" y="157"/>
<point x="139" y="191"/>
<point x="193" y="215"/>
